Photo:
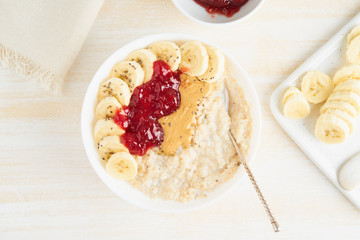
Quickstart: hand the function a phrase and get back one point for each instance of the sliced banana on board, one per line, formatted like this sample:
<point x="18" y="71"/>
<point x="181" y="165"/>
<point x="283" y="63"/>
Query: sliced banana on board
<point x="338" y="114"/>
<point x="316" y="86"/>
<point x="129" y="71"/>
<point x="349" y="85"/>
<point x="106" y="127"/>
<point x="353" y="51"/>
<point x="168" y="52"/>
<point x="344" y="116"/>
<point x="347" y="96"/>
<point x="194" y="58"/>
<point x="146" y="59"/>
<point x="351" y="72"/>
<point x="288" y="92"/>
<point x="331" y="129"/>
<point x="296" y="107"/>
<point x="117" y="88"/>
<point x="354" y="33"/>
<point x="122" y="166"/>
<point x="341" y="105"/>
<point x="216" y="66"/>
<point x="107" y="107"/>
<point x="348" y="176"/>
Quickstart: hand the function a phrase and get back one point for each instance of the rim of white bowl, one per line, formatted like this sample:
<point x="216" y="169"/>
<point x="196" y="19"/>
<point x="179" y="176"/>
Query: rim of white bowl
<point x="251" y="13"/>
<point x="88" y="138"/>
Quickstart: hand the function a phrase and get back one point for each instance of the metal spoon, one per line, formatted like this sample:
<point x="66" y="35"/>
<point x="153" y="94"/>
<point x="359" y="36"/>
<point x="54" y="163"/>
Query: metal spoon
<point x="273" y="221"/>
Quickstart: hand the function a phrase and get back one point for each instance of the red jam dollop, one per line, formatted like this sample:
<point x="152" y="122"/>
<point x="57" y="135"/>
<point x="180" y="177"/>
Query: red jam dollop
<point x="222" y="7"/>
<point x="149" y="102"/>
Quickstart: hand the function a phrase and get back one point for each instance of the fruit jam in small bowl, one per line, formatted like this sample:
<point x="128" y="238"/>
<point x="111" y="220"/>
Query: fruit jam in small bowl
<point x="218" y="12"/>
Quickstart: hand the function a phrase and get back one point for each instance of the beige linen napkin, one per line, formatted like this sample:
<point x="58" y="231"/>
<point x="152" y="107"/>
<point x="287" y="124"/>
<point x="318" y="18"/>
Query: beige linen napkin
<point x="39" y="39"/>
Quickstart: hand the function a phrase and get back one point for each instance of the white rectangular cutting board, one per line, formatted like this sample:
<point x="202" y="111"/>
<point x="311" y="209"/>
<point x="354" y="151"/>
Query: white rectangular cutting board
<point x="328" y="158"/>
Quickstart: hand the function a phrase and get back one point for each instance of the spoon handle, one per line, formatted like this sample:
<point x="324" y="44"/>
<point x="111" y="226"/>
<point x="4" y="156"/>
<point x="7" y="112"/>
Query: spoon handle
<point x="273" y="221"/>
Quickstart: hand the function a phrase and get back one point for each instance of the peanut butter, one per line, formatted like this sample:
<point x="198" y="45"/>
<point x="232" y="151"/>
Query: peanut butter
<point x="179" y="127"/>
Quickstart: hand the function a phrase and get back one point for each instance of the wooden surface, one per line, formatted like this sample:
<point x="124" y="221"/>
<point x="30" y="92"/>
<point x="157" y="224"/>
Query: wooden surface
<point x="48" y="189"/>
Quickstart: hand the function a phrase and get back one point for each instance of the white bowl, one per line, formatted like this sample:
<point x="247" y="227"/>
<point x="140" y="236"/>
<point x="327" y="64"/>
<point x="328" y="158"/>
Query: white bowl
<point x="124" y="189"/>
<point x="196" y="12"/>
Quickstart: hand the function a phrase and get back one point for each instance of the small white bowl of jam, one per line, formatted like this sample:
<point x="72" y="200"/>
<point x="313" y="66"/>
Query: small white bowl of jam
<point x="218" y="12"/>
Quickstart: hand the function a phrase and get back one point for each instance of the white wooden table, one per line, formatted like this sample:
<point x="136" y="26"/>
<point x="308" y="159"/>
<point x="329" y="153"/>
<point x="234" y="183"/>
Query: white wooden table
<point x="49" y="191"/>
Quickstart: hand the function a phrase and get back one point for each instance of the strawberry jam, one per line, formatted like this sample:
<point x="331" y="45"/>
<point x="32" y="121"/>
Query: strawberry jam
<point x="149" y="102"/>
<point x="222" y="7"/>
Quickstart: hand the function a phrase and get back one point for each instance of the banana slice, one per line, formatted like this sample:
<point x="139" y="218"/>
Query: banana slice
<point x="122" y="165"/>
<point x="117" y="88"/>
<point x="296" y="107"/>
<point x="146" y="60"/>
<point x="107" y="107"/>
<point x="110" y="145"/>
<point x="347" y="96"/>
<point x="349" y="85"/>
<point x="353" y="51"/>
<point x="216" y="66"/>
<point x="351" y="72"/>
<point x="290" y="91"/>
<point x="106" y="127"/>
<point x="340" y="105"/>
<point x="344" y="116"/>
<point x="129" y="71"/>
<point x="354" y="33"/>
<point x="194" y="58"/>
<point x="168" y="52"/>
<point x="331" y="129"/>
<point x="316" y="86"/>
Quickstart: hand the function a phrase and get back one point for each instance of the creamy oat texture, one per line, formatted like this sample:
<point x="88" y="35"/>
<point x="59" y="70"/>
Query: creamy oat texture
<point x="209" y="160"/>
